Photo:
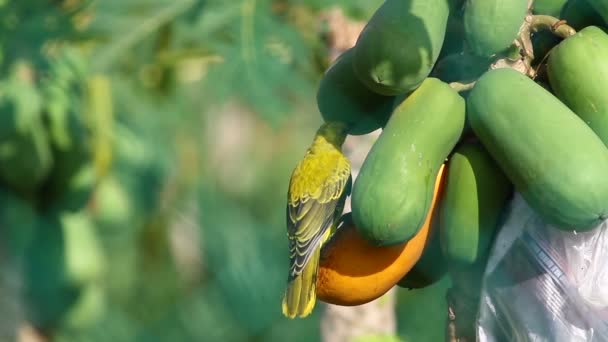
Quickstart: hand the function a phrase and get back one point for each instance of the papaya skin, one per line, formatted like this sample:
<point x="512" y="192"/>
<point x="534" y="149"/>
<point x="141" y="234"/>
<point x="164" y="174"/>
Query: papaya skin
<point x="401" y="42"/>
<point x="393" y="191"/>
<point x="601" y="7"/>
<point x="342" y="97"/>
<point x="578" y="75"/>
<point x="579" y="14"/>
<point x="353" y="271"/>
<point x="476" y="193"/>
<point x="492" y="25"/>
<point x="548" y="7"/>
<point x="432" y="266"/>
<point x="550" y="155"/>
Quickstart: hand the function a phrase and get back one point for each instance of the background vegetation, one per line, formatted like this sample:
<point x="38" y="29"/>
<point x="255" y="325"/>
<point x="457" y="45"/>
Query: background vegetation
<point x="145" y="152"/>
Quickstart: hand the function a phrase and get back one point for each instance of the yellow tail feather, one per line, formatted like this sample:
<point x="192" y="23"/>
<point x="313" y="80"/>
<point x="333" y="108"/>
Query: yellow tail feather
<point x="300" y="296"/>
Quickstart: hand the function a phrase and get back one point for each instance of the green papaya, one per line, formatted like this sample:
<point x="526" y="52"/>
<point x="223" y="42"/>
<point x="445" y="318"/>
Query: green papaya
<point x="476" y="193"/>
<point x="393" y="191"/>
<point x="431" y="266"/>
<point x="454" y="41"/>
<point x="579" y="14"/>
<point x="578" y="74"/>
<point x="544" y="83"/>
<point x="342" y="97"/>
<point x="548" y="7"/>
<point x="456" y="5"/>
<point x="492" y="25"/>
<point x="400" y="44"/>
<point x="601" y="7"/>
<point x="553" y="158"/>
<point x="460" y="67"/>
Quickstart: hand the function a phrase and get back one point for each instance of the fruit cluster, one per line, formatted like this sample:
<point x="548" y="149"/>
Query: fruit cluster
<point x="475" y="100"/>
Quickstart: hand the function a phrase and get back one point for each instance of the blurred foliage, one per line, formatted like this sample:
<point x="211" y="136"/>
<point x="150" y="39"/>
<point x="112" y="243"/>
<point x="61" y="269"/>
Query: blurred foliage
<point x="117" y="117"/>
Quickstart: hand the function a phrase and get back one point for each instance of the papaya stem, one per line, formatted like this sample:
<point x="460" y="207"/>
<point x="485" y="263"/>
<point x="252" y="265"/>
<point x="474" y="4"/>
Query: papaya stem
<point x="462" y="312"/>
<point x="462" y="87"/>
<point x="451" y="335"/>
<point x="546" y="22"/>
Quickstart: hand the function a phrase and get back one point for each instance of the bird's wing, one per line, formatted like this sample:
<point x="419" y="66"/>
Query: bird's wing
<point x="312" y="213"/>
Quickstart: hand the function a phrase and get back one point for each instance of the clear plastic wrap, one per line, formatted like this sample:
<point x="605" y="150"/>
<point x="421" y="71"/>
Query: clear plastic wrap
<point x="544" y="284"/>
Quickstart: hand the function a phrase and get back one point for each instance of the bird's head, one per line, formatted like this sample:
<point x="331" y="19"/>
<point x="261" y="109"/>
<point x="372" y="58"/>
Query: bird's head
<point x="333" y="132"/>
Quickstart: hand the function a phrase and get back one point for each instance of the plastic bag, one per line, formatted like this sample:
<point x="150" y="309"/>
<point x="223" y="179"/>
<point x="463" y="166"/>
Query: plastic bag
<point x="544" y="284"/>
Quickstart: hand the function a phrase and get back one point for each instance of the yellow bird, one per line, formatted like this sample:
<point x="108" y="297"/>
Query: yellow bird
<point x="318" y="188"/>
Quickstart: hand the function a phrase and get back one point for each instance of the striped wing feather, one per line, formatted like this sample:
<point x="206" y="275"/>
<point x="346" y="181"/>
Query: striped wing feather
<point x="314" y="208"/>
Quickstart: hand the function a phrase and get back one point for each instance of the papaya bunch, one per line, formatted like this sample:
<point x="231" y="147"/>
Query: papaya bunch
<point x="475" y="100"/>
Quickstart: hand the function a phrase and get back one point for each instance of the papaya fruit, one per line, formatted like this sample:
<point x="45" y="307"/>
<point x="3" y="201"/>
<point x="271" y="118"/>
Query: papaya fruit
<point x="476" y="193"/>
<point x="342" y="97"/>
<point x="579" y="14"/>
<point x="492" y="25"/>
<point x="460" y="67"/>
<point x="467" y="280"/>
<point x="393" y="191"/>
<point x="578" y="74"/>
<point x="431" y="266"/>
<point x="352" y="271"/>
<point x="383" y="58"/>
<point x="552" y="157"/>
<point x="601" y="7"/>
<point x="548" y="7"/>
<point x="454" y="40"/>
<point x="456" y="5"/>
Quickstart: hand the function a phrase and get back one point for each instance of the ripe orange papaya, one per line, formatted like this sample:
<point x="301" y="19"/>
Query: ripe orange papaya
<point x="353" y="271"/>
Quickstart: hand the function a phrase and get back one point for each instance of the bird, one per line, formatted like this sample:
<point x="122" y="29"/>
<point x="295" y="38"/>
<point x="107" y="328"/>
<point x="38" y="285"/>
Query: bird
<point x="318" y="188"/>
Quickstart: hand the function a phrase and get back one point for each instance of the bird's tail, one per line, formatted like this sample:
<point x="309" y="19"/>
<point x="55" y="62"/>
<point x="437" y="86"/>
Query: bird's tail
<point x="300" y="296"/>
